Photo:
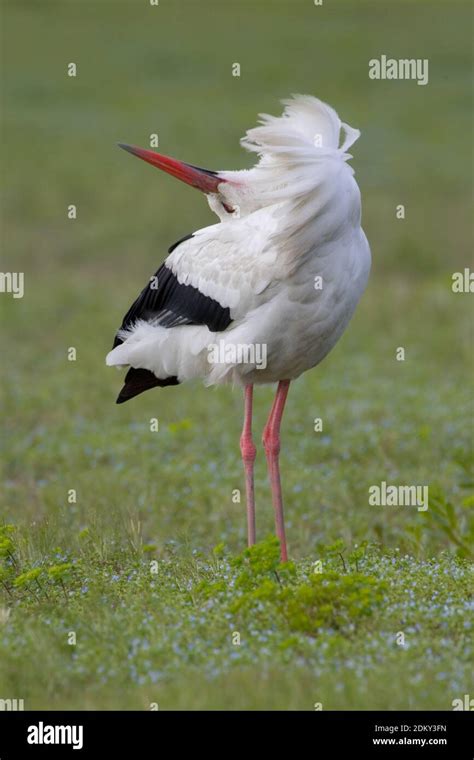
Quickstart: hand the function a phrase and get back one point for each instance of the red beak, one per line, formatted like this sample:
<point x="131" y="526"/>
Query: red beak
<point x="203" y="179"/>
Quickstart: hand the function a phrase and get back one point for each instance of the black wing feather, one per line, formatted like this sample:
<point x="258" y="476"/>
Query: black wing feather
<point x="167" y="302"/>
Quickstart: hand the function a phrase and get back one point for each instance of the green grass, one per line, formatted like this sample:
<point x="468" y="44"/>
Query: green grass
<point x="167" y="496"/>
<point x="191" y="631"/>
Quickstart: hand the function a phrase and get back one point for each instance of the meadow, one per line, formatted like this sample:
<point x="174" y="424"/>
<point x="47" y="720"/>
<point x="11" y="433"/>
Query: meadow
<point x="123" y="575"/>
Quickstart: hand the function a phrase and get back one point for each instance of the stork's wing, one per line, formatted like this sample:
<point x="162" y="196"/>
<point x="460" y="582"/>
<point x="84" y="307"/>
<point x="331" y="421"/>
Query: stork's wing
<point x="209" y="278"/>
<point x="167" y="302"/>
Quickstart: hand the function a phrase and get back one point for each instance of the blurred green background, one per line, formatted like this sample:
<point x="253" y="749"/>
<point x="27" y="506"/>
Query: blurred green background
<point x="168" y="70"/>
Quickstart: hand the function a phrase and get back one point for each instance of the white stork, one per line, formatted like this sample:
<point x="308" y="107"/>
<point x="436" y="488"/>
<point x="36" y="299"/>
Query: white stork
<point x="281" y="272"/>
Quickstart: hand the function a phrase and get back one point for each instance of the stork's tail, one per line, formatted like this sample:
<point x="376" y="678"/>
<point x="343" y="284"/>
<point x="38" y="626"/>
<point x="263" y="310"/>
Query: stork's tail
<point x="139" y="380"/>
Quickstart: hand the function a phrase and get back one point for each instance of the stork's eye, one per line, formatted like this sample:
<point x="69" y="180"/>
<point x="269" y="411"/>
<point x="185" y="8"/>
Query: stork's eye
<point x="229" y="209"/>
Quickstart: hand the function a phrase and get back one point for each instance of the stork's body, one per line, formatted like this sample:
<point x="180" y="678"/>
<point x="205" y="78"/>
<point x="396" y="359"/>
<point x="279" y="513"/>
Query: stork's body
<point x="265" y="294"/>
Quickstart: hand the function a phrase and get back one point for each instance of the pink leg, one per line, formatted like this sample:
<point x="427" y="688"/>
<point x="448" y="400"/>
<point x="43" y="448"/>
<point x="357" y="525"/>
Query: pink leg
<point x="271" y="442"/>
<point x="247" y="447"/>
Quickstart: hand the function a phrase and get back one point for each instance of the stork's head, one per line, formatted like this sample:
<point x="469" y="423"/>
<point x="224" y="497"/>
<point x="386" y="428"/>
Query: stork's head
<point x="224" y="194"/>
<point x="292" y="149"/>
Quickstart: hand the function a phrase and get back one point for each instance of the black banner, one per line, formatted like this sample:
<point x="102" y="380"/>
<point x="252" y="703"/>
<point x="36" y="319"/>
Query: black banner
<point x="372" y="734"/>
